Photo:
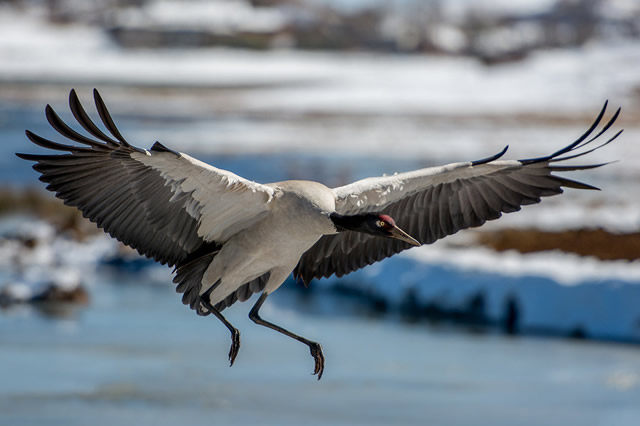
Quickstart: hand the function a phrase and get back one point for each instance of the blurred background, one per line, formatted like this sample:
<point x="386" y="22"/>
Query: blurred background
<point x="532" y="319"/>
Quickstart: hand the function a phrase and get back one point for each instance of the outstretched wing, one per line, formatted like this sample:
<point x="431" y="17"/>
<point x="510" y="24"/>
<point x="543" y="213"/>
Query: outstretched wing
<point x="432" y="203"/>
<point x="165" y="204"/>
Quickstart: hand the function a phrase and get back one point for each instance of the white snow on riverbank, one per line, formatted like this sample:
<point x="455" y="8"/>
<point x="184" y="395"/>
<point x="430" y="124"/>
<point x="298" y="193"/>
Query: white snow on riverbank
<point x="34" y="259"/>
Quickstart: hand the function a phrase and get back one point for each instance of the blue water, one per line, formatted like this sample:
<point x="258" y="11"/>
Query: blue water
<point x="135" y="355"/>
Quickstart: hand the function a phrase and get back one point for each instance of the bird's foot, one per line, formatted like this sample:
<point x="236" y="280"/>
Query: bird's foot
<point x="235" y="346"/>
<point x="318" y="356"/>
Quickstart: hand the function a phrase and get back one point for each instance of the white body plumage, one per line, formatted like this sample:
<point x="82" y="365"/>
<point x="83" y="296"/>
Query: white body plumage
<point x="299" y="208"/>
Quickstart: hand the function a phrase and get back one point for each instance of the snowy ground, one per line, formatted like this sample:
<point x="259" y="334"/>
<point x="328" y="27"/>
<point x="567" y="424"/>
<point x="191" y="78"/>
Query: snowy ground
<point x="348" y="116"/>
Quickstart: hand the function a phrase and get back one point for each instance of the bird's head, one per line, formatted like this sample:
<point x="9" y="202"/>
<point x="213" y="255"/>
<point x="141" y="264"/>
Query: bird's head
<point x="377" y="224"/>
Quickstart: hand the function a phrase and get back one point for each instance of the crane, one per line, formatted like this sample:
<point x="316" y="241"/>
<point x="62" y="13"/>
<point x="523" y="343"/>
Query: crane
<point x="228" y="237"/>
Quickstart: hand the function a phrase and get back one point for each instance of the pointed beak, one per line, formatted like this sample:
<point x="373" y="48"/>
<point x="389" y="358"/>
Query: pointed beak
<point x="399" y="234"/>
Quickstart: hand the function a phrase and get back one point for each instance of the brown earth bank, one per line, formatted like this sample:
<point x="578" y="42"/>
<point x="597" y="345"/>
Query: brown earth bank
<point x="600" y="243"/>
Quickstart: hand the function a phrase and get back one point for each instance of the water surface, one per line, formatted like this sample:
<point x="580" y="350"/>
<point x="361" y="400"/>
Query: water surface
<point x="135" y="355"/>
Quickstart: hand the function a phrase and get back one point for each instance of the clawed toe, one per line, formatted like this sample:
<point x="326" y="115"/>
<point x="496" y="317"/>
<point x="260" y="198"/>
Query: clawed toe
<point x="318" y="356"/>
<point x="235" y="334"/>
<point x="235" y="347"/>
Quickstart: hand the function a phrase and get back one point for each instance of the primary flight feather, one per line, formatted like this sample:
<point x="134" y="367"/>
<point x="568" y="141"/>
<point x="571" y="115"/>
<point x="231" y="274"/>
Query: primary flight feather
<point x="229" y="237"/>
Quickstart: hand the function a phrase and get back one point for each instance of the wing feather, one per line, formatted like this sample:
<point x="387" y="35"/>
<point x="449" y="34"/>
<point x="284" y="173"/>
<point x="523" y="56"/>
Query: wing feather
<point x="432" y="203"/>
<point x="166" y="205"/>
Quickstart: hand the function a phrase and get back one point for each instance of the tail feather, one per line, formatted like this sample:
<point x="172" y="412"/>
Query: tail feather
<point x="189" y="276"/>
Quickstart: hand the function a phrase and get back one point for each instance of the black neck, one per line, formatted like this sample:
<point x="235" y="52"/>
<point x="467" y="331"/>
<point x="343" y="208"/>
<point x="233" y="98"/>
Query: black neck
<point x="350" y="223"/>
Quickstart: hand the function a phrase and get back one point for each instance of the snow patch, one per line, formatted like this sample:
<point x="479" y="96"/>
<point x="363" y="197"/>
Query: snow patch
<point x="221" y="16"/>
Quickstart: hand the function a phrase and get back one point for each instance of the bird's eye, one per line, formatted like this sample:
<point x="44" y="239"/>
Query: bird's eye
<point x="380" y="224"/>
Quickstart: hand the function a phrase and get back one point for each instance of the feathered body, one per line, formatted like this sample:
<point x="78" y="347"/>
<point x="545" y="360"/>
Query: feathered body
<point x="298" y="208"/>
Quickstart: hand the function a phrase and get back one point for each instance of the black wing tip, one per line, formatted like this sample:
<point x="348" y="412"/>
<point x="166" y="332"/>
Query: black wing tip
<point x="97" y="95"/>
<point x="34" y="138"/>
<point x="571" y="168"/>
<point x="51" y="115"/>
<point x="107" y="120"/>
<point x="23" y="156"/>
<point x="73" y="96"/>
<point x="491" y="158"/>
<point x="83" y="119"/>
<point x="158" y="147"/>
<point x="570" y="183"/>
<point x="580" y="142"/>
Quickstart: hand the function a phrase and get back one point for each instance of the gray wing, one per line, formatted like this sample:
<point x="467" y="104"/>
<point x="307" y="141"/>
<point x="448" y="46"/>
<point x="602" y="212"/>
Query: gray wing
<point x="166" y="205"/>
<point x="432" y="203"/>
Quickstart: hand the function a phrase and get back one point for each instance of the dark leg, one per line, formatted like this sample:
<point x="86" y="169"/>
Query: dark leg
<point x="235" y="334"/>
<point x="315" y="348"/>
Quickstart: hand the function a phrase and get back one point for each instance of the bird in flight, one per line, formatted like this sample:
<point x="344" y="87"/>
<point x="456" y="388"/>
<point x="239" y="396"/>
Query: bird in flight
<point x="228" y="237"/>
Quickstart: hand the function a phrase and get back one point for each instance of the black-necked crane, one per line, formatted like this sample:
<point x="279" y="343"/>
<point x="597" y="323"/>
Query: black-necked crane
<point x="229" y="237"/>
